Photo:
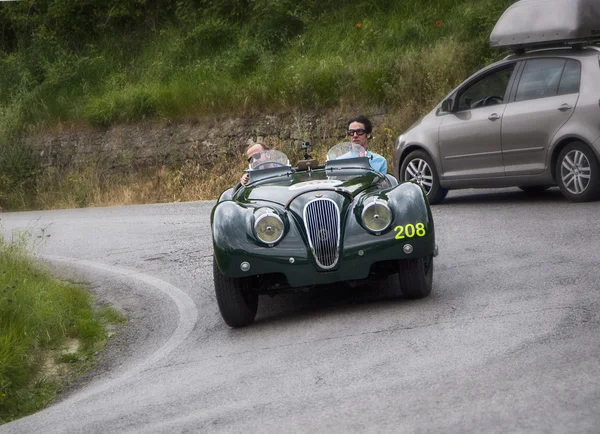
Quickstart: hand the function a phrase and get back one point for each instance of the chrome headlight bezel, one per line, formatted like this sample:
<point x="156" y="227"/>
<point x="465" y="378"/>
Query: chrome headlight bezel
<point x="385" y="219"/>
<point x="276" y="222"/>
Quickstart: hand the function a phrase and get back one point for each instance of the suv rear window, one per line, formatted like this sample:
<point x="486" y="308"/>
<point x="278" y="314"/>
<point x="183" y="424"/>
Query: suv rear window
<point x="569" y="82"/>
<point x="548" y="77"/>
<point x="540" y="79"/>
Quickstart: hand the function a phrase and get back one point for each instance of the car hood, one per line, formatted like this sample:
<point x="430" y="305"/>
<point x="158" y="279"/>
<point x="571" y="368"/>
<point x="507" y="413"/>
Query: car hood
<point x="284" y="188"/>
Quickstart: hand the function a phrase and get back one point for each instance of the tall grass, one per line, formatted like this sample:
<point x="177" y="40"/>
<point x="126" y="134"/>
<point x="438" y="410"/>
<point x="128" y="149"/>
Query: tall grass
<point x="38" y="315"/>
<point x="279" y="58"/>
<point x="93" y="187"/>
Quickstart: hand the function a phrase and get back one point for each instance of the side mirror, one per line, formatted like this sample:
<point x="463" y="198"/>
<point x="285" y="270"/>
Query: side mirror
<point x="447" y="105"/>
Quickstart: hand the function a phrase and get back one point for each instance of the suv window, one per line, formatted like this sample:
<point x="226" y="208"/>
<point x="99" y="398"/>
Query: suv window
<point x="540" y="79"/>
<point x="488" y="90"/>
<point x="569" y="82"/>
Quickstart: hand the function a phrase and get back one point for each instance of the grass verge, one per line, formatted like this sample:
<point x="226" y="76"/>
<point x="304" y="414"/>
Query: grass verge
<point x="49" y="332"/>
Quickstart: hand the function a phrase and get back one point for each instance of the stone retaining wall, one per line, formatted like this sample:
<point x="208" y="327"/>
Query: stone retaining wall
<point x="162" y="142"/>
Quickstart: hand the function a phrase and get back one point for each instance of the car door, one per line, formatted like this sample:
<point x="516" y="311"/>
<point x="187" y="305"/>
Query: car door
<point x="470" y="136"/>
<point x="544" y="99"/>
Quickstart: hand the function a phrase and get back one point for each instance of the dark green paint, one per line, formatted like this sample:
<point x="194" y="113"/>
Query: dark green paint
<point x="234" y="240"/>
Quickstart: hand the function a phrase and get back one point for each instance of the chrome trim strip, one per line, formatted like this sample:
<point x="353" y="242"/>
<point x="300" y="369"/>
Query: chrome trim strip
<point x="513" y="151"/>
<point x="479" y="154"/>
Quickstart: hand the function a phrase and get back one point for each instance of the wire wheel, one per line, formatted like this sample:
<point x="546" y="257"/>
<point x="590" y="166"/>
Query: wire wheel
<point x="419" y="171"/>
<point x="575" y="172"/>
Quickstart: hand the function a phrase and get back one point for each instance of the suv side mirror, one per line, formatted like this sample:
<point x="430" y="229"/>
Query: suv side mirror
<point x="447" y="105"/>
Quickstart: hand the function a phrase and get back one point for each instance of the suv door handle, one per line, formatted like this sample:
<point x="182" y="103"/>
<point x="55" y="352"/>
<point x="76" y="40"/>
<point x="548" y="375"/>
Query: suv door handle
<point x="565" y="107"/>
<point x="493" y="117"/>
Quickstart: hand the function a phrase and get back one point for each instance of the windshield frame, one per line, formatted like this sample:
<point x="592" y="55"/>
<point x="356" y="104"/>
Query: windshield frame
<point x="347" y="155"/>
<point x="262" y="160"/>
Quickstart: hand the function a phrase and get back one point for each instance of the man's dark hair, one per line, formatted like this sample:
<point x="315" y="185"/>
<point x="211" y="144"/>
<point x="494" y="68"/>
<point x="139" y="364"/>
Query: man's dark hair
<point x="363" y="120"/>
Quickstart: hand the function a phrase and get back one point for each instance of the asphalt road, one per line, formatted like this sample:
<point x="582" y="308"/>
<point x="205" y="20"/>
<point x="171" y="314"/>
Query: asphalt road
<point x="509" y="340"/>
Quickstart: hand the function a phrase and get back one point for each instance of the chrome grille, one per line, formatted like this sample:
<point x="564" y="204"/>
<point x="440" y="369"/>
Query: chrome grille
<point x="322" y="221"/>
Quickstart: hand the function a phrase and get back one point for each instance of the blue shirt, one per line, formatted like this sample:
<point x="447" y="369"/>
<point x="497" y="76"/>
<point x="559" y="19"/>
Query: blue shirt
<point x="377" y="162"/>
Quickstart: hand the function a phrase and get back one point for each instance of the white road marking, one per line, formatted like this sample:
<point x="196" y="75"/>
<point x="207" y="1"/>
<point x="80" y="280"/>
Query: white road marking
<point x="188" y="316"/>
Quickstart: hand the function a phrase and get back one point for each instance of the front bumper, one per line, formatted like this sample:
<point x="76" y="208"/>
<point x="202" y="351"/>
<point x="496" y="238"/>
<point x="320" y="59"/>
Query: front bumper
<point x="300" y="269"/>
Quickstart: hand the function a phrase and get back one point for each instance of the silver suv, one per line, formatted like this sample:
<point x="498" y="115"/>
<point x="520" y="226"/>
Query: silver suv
<point x="531" y="120"/>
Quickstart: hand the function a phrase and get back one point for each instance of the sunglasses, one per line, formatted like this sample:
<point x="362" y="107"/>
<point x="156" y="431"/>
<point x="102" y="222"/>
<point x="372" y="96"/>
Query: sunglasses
<point x="256" y="156"/>
<point x="359" y="132"/>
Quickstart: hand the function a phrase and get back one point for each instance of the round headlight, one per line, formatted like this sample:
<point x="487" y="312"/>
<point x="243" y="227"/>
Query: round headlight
<point x="268" y="228"/>
<point x="377" y="216"/>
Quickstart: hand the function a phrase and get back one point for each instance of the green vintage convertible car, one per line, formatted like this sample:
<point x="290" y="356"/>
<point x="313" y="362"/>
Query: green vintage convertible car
<point x="312" y="225"/>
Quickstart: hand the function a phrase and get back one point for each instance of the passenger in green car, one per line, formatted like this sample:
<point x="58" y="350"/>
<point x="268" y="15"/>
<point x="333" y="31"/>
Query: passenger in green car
<point x="359" y="132"/>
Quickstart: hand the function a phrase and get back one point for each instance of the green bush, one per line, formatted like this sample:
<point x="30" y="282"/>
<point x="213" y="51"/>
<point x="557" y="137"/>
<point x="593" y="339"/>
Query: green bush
<point x="62" y="72"/>
<point x="209" y="37"/>
<point x="243" y="60"/>
<point x="18" y="170"/>
<point x="129" y="104"/>
<point x="275" y="22"/>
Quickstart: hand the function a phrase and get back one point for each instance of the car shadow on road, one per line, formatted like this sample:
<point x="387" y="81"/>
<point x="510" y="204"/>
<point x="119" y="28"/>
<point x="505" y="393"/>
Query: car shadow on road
<point x="322" y="301"/>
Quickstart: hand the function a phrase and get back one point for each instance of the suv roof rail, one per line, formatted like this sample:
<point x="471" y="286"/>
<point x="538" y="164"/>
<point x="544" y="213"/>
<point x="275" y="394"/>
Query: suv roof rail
<point x="571" y="46"/>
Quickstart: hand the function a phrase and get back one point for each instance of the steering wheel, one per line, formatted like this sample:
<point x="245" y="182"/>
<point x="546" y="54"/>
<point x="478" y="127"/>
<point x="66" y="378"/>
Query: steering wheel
<point x="264" y="163"/>
<point x="495" y="99"/>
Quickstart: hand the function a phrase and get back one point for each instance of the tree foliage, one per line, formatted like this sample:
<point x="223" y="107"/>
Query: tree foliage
<point x="77" y="22"/>
<point x="80" y="22"/>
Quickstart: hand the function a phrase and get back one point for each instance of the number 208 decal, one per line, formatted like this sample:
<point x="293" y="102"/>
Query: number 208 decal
<point x="410" y="230"/>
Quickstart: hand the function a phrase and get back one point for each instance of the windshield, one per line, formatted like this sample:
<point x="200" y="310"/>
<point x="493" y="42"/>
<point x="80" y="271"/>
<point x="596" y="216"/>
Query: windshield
<point x="346" y="150"/>
<point x="268" y="160"/>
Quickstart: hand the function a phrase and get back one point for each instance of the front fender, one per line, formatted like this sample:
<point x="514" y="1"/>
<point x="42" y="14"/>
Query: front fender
<point x="409" y="206"/>
<point x="233" y="240"/>
<point x="228" y="194"/>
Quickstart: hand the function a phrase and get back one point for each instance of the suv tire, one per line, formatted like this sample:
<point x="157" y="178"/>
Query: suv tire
<point x="419" y="168"/>
<point x="578" y="173"/>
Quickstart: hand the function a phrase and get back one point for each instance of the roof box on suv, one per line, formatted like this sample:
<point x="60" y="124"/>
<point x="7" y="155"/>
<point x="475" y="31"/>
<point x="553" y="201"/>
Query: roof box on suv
<point x="530" y="24"/>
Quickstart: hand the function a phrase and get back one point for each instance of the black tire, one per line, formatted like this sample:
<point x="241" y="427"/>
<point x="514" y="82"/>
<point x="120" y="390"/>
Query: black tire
<point x="534" y="189"/>
<point x="416" y="277"/>
<point x="237" y="300"/>
<point x="578" y="173"/>
<point x="418" y="167"/>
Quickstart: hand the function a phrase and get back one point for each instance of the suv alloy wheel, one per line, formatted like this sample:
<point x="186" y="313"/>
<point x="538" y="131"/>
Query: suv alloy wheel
<point x="418" y="167"/>
<point x="577" y="173"/>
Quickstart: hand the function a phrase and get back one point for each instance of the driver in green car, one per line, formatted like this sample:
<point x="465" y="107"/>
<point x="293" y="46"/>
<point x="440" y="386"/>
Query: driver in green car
<point x="359" y="132"/>
<point x="253" y="150"/>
